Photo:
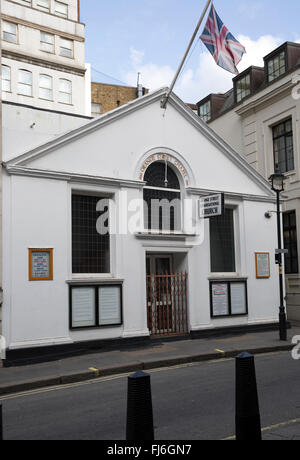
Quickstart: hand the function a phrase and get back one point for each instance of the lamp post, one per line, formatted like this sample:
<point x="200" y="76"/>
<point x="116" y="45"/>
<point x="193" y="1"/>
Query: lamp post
<point x="277" y="181"/>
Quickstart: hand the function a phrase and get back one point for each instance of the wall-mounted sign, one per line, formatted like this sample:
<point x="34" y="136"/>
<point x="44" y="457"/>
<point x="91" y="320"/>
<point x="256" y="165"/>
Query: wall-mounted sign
<point x="211" y="206"/>
<point x="109" y="305"/>
<point x="220" y="299"/>
<point x="95" y="306"/>
<point x="83" y="307"/>
<point x="228" y="298"/>
<point x="262" y="264"/>
<point x="40" y="264"/>
<point x="165" y="157"/>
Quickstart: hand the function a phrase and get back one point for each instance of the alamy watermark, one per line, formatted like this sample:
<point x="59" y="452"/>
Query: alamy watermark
<point x="135" y="216"/>
<point x="2" y="347"/>
<point x="296" y="349"/>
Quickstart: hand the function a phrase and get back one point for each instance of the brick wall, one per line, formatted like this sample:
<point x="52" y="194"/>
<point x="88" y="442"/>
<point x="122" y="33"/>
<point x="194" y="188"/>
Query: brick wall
<point x="112" y="96"/>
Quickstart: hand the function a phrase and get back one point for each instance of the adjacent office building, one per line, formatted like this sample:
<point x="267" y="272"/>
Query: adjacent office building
<point x="260" y="118"/>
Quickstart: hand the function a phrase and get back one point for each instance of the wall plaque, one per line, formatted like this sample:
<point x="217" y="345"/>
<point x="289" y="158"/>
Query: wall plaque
<point x="262" y="263"/>
<point x="40" y="264"/>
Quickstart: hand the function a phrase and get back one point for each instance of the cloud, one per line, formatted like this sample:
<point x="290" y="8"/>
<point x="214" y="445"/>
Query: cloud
<point x="205" y="77"/>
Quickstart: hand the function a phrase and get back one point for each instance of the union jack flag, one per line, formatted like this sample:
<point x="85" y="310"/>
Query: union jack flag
<point x="226" y="50"/>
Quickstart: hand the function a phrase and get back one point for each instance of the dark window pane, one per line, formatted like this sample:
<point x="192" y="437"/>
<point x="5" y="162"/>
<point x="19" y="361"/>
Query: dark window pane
<point x="90" y="249"/>
<point x="276" y="66"/>
<point x="155" y="176"/>
<point x="283" y="147"/>
<point x="162" y="210"/>
<point x="290" y="242"/>
<point x="222" y="243"/>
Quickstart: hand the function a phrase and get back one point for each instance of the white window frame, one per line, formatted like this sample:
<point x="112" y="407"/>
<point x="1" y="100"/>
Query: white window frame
<point x="41" y="5"/>
<point x="9" y="33"/>
<point x="65" y="41"/>
<point x="59" y="13"/>
<point x="5" y="79"/>
<point x="60" y="92"/>
<point x="50" y="89"/>
<point x="27" y="85"/>
<point x="43" y="42"/>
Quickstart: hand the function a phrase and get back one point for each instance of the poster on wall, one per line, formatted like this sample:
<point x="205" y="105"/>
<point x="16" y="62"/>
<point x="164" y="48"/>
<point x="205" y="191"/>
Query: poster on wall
<point x="262" y="263"/>
<point x="238" y="298"/>
<point x="40" y="264"/>
<point x="220" y="301"/>
<point x="109" y="305"/>
<point x="83" y="307"/>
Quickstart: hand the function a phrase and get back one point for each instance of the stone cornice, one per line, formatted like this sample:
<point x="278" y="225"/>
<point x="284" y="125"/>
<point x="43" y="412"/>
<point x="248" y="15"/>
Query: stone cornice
<point x="43" y="63"/>
<point x="42" y="28"/>
<point x="72" y="177"/>
<point x="266" y="99"/>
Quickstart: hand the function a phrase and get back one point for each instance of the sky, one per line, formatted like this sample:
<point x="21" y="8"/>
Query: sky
<point x="124" y="37"/>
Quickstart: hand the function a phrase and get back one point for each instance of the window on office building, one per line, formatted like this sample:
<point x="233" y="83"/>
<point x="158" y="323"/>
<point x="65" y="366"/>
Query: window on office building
<point x="25" y="83"/>
<point x="205" y="111"/>
<point x="46" y="87"/>
<point x="9" y="32"/>
<point x="222" y="243"/>
<point x="61" y="9"/>
<point x="47" y="42"/>
<point x="283" y="146"/>
<point x="66" y="48"/>
<point x="43" y="5"/>
<point x="276" y="66"/>
<point x="6" y="78"/>
<point x="65" y="91"/>
<point x="90" y="234"/>
<point x="243" y="88"/>
<point x="290" y="242"/>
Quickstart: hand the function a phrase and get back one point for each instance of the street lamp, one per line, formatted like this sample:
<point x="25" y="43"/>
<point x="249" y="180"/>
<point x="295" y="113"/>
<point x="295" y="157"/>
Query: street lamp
<point x="277" y="181"/>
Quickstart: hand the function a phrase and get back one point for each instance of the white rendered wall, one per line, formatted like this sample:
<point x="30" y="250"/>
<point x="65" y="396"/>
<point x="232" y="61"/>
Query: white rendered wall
<point x="24" y="128"/>
<point x="37" y="213"/>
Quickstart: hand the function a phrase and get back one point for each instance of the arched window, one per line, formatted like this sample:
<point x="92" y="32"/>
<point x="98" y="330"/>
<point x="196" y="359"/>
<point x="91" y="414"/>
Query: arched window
<point x="162" y="198"/>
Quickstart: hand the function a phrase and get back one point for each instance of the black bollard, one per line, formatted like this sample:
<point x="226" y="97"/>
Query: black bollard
<point x="1" y="424"/>
<point x="139" y="408"/>
<point x="248" y="426"/>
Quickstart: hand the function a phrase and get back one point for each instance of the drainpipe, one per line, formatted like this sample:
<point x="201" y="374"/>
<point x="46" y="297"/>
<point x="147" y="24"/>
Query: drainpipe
<point x="78" y="10"/>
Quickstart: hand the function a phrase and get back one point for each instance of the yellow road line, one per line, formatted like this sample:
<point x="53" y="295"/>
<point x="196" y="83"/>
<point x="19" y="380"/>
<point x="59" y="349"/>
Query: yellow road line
<point x="220" y="351"/>
<point x="270" y="428"/>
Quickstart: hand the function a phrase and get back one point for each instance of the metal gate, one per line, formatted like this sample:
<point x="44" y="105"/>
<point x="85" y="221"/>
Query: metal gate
<point x="167" y="304"/>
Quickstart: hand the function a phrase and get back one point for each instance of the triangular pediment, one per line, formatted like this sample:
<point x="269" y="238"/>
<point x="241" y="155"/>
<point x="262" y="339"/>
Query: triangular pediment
<point x="115" y="144"/>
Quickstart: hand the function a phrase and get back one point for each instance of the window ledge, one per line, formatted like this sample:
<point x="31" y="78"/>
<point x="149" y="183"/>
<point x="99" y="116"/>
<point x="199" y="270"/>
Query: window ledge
<point x="94" y="281"/>
<point x="164" y="235"/>
<point x="227" y="277"/>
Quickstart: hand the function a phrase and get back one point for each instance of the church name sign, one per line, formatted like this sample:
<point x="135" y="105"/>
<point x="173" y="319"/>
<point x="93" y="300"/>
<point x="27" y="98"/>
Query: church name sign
<point x="170" y="159"/>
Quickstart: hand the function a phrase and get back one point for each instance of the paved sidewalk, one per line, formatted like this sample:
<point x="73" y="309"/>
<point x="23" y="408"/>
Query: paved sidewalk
<point x="130" y="359"/>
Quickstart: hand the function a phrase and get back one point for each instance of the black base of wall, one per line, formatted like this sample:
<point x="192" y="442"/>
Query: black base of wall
<point x="236" y="330"/>
<point x="37" y="355"/>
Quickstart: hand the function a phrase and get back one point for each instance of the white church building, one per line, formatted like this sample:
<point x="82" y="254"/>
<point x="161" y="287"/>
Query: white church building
<point x="86" y="263"/>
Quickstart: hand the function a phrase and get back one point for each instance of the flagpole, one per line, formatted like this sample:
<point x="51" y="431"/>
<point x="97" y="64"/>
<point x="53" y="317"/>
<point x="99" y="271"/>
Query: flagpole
<point x="166" y="97"/>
